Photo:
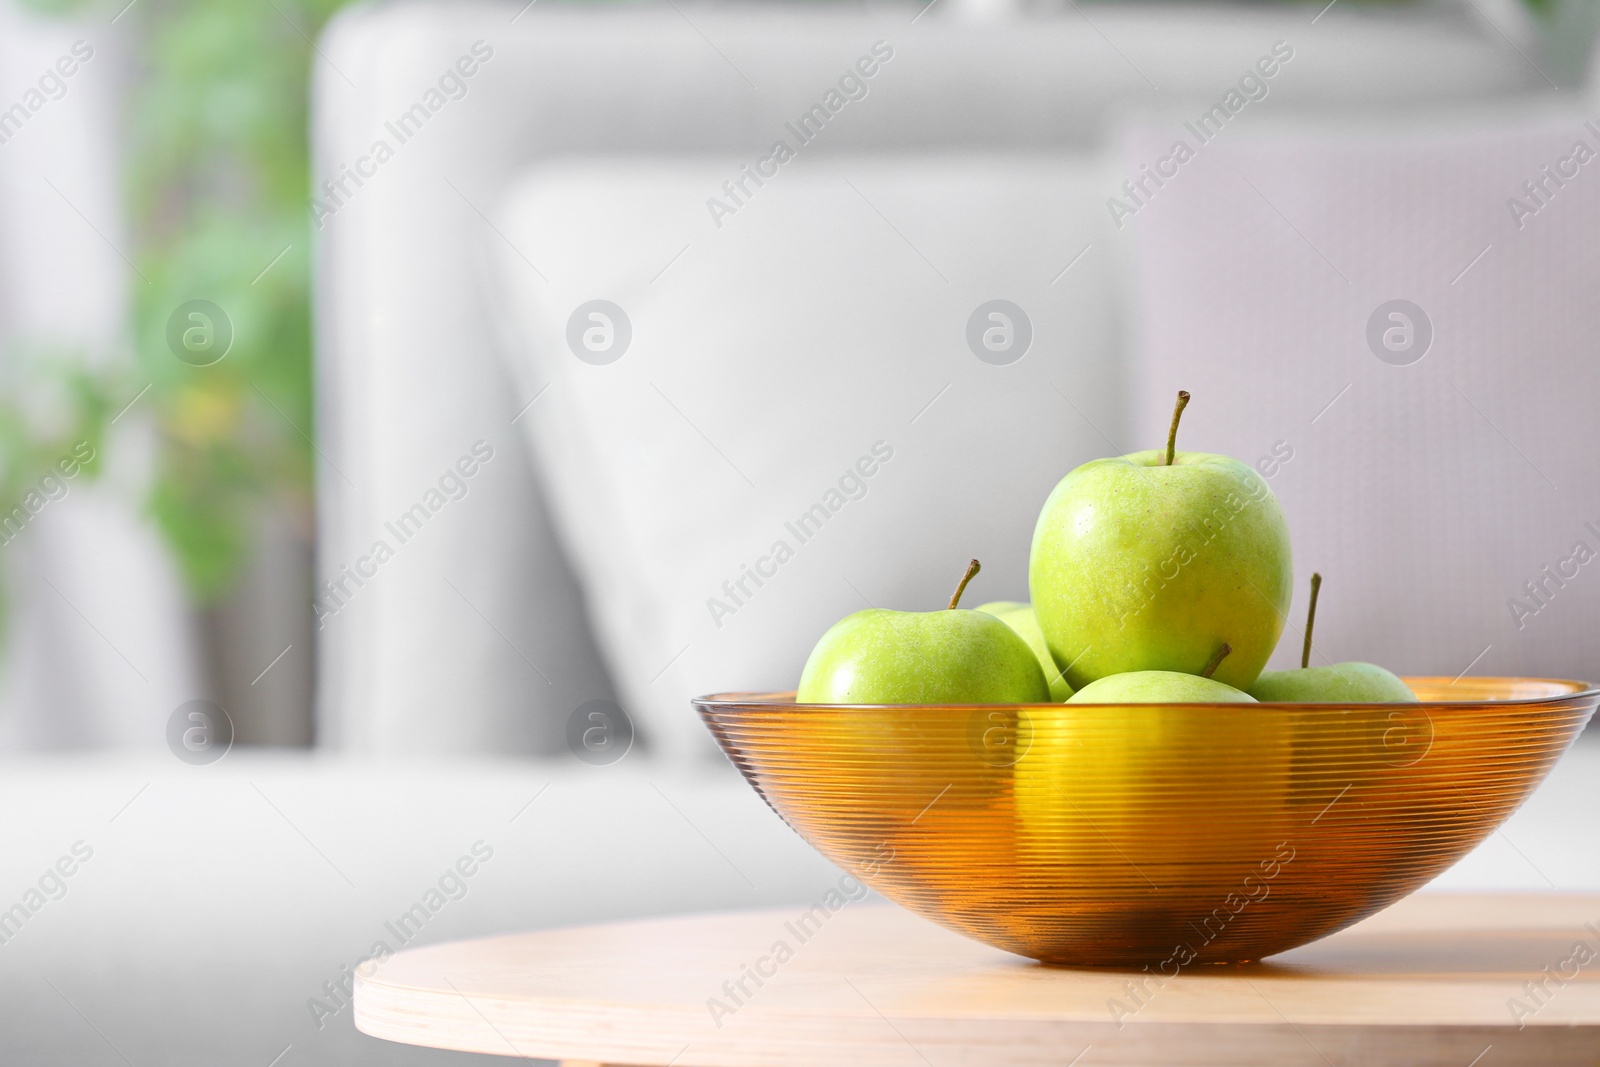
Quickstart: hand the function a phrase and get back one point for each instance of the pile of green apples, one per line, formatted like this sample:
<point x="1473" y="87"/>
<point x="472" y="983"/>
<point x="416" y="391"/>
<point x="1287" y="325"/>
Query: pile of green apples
<point x="1157" y="577"/>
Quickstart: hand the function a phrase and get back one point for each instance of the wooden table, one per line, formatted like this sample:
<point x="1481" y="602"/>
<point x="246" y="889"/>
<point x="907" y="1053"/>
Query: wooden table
<point x="1437" y="980"/>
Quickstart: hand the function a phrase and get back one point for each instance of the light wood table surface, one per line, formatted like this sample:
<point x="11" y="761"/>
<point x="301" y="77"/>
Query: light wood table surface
<point x="1433" y="982"/>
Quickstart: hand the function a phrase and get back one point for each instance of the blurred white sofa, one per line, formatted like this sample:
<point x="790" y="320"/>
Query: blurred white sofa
<point x="213" y="914"/>
<point x="569" y="154"/>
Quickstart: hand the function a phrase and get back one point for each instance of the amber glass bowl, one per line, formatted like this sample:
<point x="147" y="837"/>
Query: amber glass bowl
<point x="1148" y="834"/>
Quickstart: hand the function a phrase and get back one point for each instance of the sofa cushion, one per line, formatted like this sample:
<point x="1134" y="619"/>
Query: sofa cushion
<point x="802" y="416"/>
<point x="1377" y="316"/>
<point x="248" y="889"/>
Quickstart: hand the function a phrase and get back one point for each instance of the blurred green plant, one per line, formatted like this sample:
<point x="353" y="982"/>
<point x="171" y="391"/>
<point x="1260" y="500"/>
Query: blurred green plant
<point x="53" y="422"/>
<point x="218" y="185"/>
<point x="53" y="408"/>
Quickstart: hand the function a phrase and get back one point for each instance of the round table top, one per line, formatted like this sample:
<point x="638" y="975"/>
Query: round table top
<point x="1452" y="980"/>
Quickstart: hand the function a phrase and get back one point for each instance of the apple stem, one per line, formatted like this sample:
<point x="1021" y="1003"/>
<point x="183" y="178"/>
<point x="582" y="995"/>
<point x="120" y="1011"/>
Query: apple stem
<point x="972" y="570"/>
<point x="1216" y="660"/>
<point x="1311" y="619"/>
<point x="1172" y="431"/>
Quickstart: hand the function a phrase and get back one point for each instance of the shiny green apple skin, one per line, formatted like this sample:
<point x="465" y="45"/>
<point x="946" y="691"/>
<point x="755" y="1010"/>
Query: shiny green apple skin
<point x="1159" y="687"/>
<point x="1020" y="618"/>
<point x="1340" y="683"/>
<point x="1140" y="566"/>
<point x="954" y="656"/>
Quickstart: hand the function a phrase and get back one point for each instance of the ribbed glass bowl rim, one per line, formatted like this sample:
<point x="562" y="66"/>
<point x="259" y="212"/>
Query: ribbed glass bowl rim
<point x="778" y="700"/>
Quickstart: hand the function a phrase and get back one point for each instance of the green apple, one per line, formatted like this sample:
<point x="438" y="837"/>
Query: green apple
<point x="1341" y="683"/>
<point x="1149" y="561"/>
<point x="1020" y="618"/>
<point x="1159" y="687"/>
<point x="1158" y="793"/>
<point x="1164" y="687"/>
<point x="953" y="656"/>
<point x="1338" y="683"/>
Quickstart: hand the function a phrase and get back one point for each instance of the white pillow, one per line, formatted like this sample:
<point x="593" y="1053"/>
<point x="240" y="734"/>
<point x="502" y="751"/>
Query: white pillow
<point x="807" y="356"/>
<point x="1431" y="487"/>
